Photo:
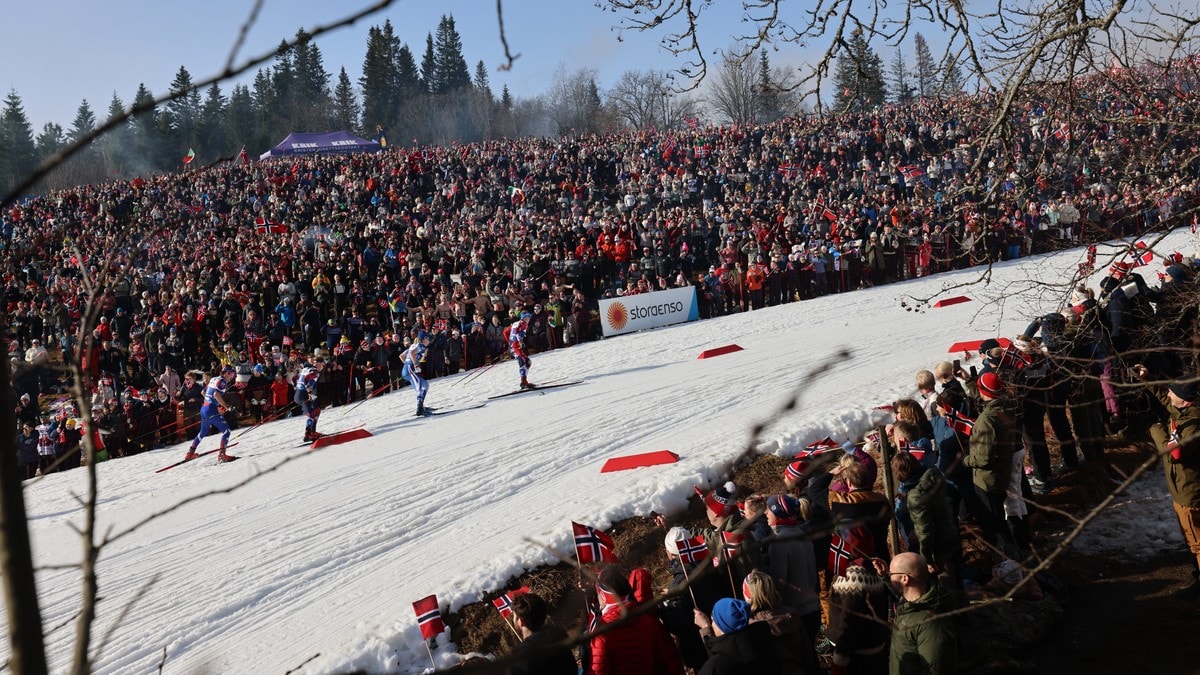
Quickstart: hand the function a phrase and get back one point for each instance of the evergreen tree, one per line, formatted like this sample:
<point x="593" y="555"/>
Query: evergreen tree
<point x="114" y="145"/>
<point x="428" y="65"/>
<point x="952" y="79"/>
<point x="52" y="139"/>
<point x="18" y="154"/>
<point x="212" y="131"/>
<point x="901" y="86"/>
<point x="506" y="99"/>
<point x="925" y="69"/>
<point x="379" y="77"/>
<point x="858" y="77"/>
<point x="408" y="78"/>
<point x="242" y="121"/>
<point x="84" y="123"/>
<point x="183" y="115"/>
<point x="345" y="104"/>
<point x="768" y="99"/>
<point x="450" y="68"/>
<point x="283" y="83"/>
<point x="311" y="84"/>
<point x="145" y="141"/>
<point x="481" y="83"/>
<point x="264" y="104"/>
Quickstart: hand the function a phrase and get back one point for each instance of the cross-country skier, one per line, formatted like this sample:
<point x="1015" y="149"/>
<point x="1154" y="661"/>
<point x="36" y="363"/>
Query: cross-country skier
<point x="414" y="356"/>
<point x="515" y="334"/>
<point x="306" y="397"/>
<point x="211" y="414"/>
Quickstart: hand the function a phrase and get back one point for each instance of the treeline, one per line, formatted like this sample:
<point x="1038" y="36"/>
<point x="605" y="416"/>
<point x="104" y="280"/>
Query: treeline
<point x="436" y="99"/>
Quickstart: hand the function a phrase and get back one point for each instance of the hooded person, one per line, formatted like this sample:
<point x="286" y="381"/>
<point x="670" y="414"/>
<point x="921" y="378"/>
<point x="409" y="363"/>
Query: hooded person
<point x="677" y="610"/>
<point x="789" y="559"/>
<point x="631" y="644"/>
<point x="736" y="645"/>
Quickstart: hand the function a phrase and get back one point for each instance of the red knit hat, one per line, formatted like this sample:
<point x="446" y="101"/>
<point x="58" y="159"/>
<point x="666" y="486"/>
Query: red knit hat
<point x="990" y="384"/>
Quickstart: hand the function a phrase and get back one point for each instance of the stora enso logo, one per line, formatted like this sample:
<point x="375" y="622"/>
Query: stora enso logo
<point x="618" y="316"/>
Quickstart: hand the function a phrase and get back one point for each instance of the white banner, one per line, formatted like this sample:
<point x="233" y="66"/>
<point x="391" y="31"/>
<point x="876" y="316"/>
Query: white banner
<point x="631" y="313"/>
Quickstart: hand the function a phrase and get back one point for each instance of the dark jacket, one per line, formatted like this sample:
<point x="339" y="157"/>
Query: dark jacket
<point x="27" y="452"/>
<point x="1183" y="474"/>
<point x="790" y="560"/>
<point x="749" y="651"/>
<point x="921" y="645"/>
<point x="536" y="655"/>
<point x="994" y="440"/>
<point x="934" y="525"/>
<point x="792" y="641"/>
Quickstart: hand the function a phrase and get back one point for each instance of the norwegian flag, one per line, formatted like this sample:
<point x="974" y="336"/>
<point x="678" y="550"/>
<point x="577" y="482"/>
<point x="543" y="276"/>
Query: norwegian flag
<point x="789" y="169"/>
<point x="691" y="550"/>
<point x="960" y="422"/>
<point x="911" y="172"/>
<point x="504" y="602"/>
<point x="429" y="617"/>
<point x="824" y="445"/>
<point x="1119" y="269"/>
<point x="593" y="623"/>
<point x="1142" y="255"/>
<point x="243" y="157"/>
<point x="262" y="226"/>
<point x="913" y="449"/>
<point x="843" y="551"/>
<point x="731" y="544"/>
<point x="592" y="545"/>
<point x="1063" y="133"/>
<point x="1012" y="357"/>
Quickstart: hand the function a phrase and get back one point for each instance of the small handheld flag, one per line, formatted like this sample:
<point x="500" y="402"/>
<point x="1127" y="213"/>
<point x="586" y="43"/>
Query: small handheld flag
<point x="429" y="617"/>
<point x="504" y="602"/>
<point x="592" y="545"/>
<point x="691" y="549"/>
<point x="190" y="156"/>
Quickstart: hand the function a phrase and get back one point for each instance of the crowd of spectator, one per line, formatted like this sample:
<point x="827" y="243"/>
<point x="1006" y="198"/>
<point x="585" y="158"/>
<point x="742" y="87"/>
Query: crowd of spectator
<point x="262" y="266"/>
<point x="817" y="578"/>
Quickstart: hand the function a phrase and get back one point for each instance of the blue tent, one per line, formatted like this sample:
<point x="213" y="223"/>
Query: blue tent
<point x="331" y="141"/>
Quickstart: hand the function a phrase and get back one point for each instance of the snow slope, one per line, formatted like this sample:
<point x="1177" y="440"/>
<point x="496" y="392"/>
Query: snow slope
<point x="317" y="561"/>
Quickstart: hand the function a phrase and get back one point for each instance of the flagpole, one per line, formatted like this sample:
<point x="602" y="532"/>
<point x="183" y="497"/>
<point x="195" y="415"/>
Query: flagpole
<point x="512" y="624"/>
<point x="688" y="580"/>
<point x="430" y="653"/>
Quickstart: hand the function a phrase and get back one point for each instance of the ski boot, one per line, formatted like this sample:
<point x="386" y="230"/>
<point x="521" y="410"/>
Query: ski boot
<point x="191" y="454"/>
<point x="525" y="384"/>
<point x="222" y="457"/>
<point x="422" y="411"/>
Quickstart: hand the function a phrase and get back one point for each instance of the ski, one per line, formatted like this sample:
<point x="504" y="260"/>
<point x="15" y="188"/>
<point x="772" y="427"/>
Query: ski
<point x="331" y="433"/>
<point x="536" y="387"/>
<point x="433" y="412"/>
<point x="198" y="456"/>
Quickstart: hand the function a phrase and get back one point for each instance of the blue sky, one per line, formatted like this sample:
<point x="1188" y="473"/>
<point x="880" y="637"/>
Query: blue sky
<point x="75" y="49"/>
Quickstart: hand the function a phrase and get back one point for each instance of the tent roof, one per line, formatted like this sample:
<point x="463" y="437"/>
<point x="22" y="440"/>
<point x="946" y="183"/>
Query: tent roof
<point x="298" y="143"/>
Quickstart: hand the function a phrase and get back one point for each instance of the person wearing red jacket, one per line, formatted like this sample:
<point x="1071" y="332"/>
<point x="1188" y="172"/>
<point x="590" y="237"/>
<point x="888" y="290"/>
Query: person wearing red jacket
<point x="633" y="646"/>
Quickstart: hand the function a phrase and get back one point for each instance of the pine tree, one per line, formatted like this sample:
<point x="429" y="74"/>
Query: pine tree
<point x="18" y="154"/>
<point x="768" y="97"/>
<point x="183" y="114"/>
<point x="481" y="83"/>
<point x="428" y="65"/>
<point x="114" y="145"/>
<point x="506" y="99"/>
<point x="952" y="79"/>
<point x="263" y="95"/>
<point x="408" y="78"/>
<point x="311" y="83"/>
<point x="901" y="87"/>
<point x="283" y="83"/>
<point x="242" y="121"/>
<point x="212" y="131"/>
<point x="925" y="69"/>
<point x="345" y="103"/>
<point x="84" y="123"/>
<point x="145" y="141"/>
<point x="380" y="76"/>
<point x="450" y="71"/>
<point x="52" y="139"/>
<point x="858" y="77"/>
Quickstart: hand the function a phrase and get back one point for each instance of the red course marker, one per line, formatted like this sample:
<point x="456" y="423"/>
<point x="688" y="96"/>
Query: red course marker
<point x="946" y="302"/>
<point x="717" y="351"/>
<point x="972" y="346"/>
<point x="637" y="461"/>
<point x="338" y="439"/>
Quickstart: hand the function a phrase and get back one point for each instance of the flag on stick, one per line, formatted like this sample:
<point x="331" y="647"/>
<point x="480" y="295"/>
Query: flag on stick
<point x="429" y="617"/>
<point x="190" y="156"/>
<point x="592" y="545"/>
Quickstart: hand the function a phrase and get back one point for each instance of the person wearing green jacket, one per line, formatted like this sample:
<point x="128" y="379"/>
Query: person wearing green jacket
<point x="1178" y="442"/>
<point x="994" y="441"/>
<point x="923" y="641"/>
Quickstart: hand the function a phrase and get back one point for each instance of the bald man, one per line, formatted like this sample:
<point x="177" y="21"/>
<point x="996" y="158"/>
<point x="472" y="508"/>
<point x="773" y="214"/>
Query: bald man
<point x="922" y="640"/>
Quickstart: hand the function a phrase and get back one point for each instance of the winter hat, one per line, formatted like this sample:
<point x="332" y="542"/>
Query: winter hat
<point x="990" y="384"/>
<point x="720" y="501"/>
<point x="1184" y="390"/>
<point x="1176" y="272"/>
<point x="785" y="508"/>
<point x="731" y="615"/>
<point x="988" y="345"/>
<point x="674" y="535"/>
<point x="794" y="472"/>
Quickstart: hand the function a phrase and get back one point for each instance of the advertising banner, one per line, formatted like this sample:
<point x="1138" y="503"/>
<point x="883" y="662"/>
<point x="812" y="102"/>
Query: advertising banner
<point x="648" y="310"/>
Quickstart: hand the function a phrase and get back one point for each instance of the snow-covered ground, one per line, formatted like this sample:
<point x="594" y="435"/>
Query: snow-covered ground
<point x="317" y="562"/>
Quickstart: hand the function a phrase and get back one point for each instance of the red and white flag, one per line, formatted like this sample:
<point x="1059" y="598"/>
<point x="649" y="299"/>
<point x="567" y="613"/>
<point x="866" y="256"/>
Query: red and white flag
<point x="504" y="602"/>
<point x="731" y="544"/>
<point x="960" y="422"/>
<point x="592" y="545"/>
<point x="429" y="617"/>
<point x="243" y="157"/>
<point x="824" y="445"/>
<point x="691" y="550"/>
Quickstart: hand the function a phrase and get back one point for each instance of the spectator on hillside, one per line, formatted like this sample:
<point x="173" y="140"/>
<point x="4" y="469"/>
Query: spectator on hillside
<point x="858" y="622"/>
<point x="542" y="650"/>
<point x="793" y="642"/>
<point x="934" y="531"/>
<point x="631" y="646"/>
<point x="994" y="440"/>
<point x="923" y="643"/>
<point x="790" y="560"/>
<point x="736" y="645"/>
